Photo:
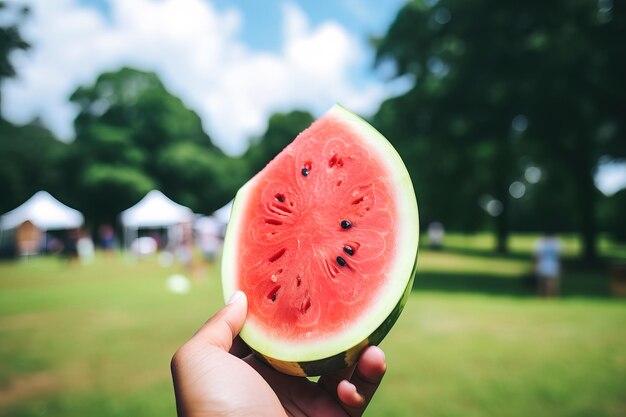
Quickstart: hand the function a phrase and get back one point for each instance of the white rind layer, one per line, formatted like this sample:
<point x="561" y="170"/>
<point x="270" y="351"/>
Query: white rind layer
<point x="400" y="270"/>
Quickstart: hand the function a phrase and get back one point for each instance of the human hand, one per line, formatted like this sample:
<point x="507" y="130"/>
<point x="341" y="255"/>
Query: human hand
<point x="215" y="377"/>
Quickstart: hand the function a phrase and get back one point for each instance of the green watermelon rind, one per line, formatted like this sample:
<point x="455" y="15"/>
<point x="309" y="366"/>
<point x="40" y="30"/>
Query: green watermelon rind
<point x="349" y="357"/>
<point x="390" y="301"/>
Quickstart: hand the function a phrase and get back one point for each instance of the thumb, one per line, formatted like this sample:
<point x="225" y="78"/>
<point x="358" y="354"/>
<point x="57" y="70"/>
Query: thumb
<point x="220" y="330"/>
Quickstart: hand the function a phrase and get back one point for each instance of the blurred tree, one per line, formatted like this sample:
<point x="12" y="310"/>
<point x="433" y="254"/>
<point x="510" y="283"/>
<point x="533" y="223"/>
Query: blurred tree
<point x="612" y="218"/>
<point x="29" y="161"/>
<point x="29" y="155"/>
<point x="10" y="39"/>
<point x="282" y="128"/>
<point x="133" y="135"/>
<point x="538" y="209"/>
<point x="201" y="178"/>
<point x="439" y="163"/>
<point x="498" y="79"/>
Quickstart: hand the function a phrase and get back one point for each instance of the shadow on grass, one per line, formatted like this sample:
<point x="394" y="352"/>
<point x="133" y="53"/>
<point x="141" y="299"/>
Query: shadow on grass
<point x="471" y="283"/>
<point x="571" y="261"/>
<point x="573" y="284"/>
<point x="486" y="253"/>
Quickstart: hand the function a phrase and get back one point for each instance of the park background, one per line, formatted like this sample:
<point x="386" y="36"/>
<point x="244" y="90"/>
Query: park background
<point x="508" y="116"/>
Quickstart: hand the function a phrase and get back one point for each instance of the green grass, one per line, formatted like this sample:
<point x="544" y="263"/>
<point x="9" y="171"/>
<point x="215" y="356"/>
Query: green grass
<point x="485" y="356"/>
<point x="95" y="340"/>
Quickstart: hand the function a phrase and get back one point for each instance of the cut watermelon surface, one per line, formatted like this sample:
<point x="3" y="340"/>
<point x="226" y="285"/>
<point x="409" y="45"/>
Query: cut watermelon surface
<point x="323" y="241"/>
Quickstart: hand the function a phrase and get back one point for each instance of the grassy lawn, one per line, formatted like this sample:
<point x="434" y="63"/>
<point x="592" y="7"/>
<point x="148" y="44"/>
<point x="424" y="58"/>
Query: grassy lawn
<point x="95" y="340"/>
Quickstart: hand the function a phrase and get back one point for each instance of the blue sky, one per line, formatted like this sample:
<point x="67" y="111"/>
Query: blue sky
<point x="262" y="19"/>
<point x="361" y="17"/>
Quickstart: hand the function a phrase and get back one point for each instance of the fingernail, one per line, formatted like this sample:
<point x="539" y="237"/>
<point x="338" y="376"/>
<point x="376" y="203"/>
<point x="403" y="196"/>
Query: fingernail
<point x="237" y="295"/>
<point x="382" y="352"/>
<point x="359" y="397"/>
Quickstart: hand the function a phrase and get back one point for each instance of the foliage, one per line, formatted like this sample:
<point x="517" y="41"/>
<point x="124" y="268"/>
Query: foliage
<point x="611" y="213"/>
<point x="29" y="162"/>
<point x="133" y="135"/>
<point x="496" y="81"/>
<point x="281" y="130"/>
<point x="11" y="16"/>
<point x="203" y="179"/>
<point x="500" y="87"/>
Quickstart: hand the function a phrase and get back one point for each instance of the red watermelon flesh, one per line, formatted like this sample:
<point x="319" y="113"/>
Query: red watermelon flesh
<point x="323" y="241"/>
<point x="305" y="274"/>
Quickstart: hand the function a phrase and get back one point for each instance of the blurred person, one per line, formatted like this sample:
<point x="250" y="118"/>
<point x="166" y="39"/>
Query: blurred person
<point x="208" y="238"/>
<point x="214" y="374"/>
<point x="70" y="244"/>
<point x="548" y="265"/>
<point x="436" y="234"/>
<point x="54" y="245"/>
<point x="184" y="247"/>
<point x="158" y="238"/>
<point x="210" y="246"/>
<point x="107" y="237"/>
<point x="85" y="247"/>
<point x="144" y="246"/>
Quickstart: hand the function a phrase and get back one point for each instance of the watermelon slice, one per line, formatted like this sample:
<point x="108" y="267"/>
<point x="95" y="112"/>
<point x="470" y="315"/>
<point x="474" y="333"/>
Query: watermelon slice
<point x="323" y="241"/>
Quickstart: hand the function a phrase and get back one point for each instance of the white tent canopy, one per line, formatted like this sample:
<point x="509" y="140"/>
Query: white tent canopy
<point x="155" y="210"/>
<point x="45" y="212"/>
<point x="223" y="214"/>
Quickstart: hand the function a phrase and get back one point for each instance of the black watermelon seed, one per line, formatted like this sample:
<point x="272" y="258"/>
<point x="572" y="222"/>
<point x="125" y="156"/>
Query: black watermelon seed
<point x="305" y="171"/>
<point x="341" y="261"/>
<point x="280" y="198"/>
<point x="348" y="249"/>
<point x="274" y="293"/>
<point x="345" y="224"/>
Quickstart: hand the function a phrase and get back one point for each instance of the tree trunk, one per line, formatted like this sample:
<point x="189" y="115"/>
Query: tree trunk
<point x="502" y="223"/>
<point x="502" y="235"/>
<point x="502" y="175"/>
<point x="582" y="167"/>
<point x="587" y="204"/>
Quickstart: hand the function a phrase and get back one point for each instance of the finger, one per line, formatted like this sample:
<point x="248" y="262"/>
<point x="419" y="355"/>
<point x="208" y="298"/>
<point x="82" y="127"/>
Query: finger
<point x="220" y="330"/>
<point x="239" y="348"/>
<point x="367" y="376"/>
<point x="349" y="396"/>
<point x="330" y="382"/>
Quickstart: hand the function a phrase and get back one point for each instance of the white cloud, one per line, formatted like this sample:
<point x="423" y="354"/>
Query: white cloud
<point x="199" y="55"/>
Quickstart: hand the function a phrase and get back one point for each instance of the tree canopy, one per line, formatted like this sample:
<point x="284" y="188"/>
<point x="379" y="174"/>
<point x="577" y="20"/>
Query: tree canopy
<point x="503" y="86"/>
<point x="281" y="130"/>
<point x="132" y="135"/>
<point x="11" y="16"/>
<point x="29" y="162"/>
<point x="512" y="109"/>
